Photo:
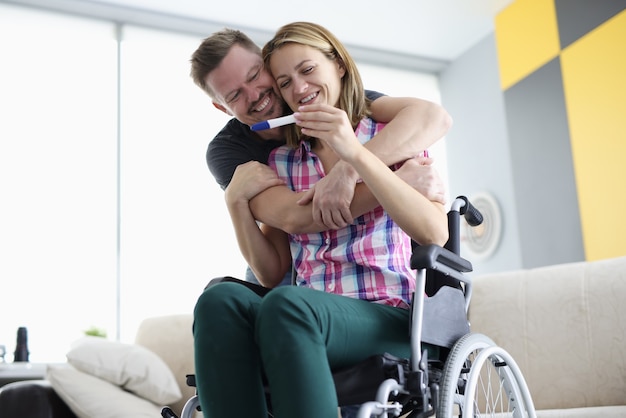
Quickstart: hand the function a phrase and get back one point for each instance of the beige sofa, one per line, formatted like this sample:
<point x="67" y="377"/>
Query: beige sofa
<point x="565" y="326"/>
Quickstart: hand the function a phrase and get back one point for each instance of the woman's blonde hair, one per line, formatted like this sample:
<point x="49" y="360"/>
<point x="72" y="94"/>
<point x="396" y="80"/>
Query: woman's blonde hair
<point x="352" y="97"/>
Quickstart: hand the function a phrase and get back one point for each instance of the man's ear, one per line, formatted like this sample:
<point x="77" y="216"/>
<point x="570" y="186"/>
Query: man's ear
<point x="222" y="108"/>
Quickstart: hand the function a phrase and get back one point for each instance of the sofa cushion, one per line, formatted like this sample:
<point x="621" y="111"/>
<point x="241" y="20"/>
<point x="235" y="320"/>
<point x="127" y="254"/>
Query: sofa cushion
<point x="132" y="367"/>
<point x="171" y="338"/>
<point x="563" y="325"/>
<point x="91" y="397"/>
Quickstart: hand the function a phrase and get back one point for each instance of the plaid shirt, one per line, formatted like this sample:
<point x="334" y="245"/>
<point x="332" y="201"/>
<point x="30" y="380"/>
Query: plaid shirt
<point x="368" y="260"/>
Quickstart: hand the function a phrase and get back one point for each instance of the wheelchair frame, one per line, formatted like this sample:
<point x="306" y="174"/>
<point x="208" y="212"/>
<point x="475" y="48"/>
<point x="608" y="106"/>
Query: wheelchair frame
<point x="478" y="378"/>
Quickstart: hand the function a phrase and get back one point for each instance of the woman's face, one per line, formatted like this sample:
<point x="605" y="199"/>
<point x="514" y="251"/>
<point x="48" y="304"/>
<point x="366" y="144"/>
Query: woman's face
<point x="304" y="75"/>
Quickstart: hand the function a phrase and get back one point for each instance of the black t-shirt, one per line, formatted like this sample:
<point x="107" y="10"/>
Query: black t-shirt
<point x="236" y="144"/>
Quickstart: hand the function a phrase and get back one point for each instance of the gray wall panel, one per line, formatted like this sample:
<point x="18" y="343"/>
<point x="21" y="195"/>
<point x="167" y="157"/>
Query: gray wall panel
<point x="543" y="173"/>
<point x="478" y="151"/>
<point x="577" y="17"/>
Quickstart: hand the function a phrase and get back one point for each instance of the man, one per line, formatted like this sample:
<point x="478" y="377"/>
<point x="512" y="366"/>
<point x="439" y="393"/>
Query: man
<point x="228" y="66"/>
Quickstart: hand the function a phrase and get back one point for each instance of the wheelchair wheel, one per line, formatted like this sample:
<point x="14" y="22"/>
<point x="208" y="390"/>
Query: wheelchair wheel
<point x="190" y="407"/>
<point x="481" y="379"/>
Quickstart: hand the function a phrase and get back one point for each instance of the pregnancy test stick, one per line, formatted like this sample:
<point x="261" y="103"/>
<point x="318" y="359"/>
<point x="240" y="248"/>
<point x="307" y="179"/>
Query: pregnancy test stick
<point x="273" y="123"/>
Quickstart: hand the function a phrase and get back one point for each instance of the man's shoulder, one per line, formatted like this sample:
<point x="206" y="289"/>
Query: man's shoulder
<point x="236" y="134"/>
<point x="236" y="144"/>
<point x="233" y="132"/>
<point x="373" y="95"/>
<point x="233" y="145"/>
<point x="229" y="148"/>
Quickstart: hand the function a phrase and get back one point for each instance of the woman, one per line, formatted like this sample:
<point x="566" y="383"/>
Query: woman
<point x="354" y="283"/>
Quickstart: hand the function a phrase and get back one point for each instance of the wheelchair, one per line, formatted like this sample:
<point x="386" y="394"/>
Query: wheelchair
<point x="471" y="377"/>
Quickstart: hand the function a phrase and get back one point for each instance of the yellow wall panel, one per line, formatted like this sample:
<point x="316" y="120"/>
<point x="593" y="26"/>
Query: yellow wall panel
<point x="527" y="37"/>
<point x="594" y="78"/>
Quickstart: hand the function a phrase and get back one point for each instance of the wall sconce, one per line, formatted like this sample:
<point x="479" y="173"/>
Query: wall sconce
<point x="483" y="240"/>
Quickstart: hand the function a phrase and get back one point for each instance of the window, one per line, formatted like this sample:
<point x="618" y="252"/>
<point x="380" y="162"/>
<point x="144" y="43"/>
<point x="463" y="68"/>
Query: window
<point x="59" y="219"/>
<point x="108" y="211"/>
<point x="176" y="233"/>
<point x="57" y="178"/>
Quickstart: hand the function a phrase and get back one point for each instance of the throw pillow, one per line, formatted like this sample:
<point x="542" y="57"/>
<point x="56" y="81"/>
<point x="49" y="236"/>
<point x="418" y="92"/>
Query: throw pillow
<point x="90" y="397"/>
<point x="132" y="367"/>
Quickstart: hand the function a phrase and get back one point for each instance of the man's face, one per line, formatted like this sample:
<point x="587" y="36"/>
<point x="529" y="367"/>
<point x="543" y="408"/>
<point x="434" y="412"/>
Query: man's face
<point x="244" y="89"/>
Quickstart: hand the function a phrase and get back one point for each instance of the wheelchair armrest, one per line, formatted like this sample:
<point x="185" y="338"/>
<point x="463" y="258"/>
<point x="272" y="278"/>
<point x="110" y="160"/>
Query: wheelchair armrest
<point x="435" y="257"/>
<point x="444" y="262"/>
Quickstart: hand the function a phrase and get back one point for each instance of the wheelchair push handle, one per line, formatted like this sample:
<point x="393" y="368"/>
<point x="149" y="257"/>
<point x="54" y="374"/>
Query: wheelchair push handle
<point x="461" y="206"/>
<point x="471" y="214"/>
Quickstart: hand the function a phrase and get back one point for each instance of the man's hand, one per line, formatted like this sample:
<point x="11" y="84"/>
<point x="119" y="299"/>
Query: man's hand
<point x="332" y="196"/>
<point x="249" y="180"/>
<point x="419" y="173"/>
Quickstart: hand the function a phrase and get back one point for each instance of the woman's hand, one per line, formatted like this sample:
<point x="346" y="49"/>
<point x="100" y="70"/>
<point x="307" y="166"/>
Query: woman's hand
<point x="330" y="125"/>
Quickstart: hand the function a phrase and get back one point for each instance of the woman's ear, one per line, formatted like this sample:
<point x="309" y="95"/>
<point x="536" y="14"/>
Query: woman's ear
<point x="341" y="66"/>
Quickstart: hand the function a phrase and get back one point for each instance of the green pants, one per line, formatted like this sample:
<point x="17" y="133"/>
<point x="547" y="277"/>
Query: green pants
<point x="294" y="336"/>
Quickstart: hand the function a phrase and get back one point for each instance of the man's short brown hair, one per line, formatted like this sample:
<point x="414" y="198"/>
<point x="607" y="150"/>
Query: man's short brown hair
<point x="212" y="51"/>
